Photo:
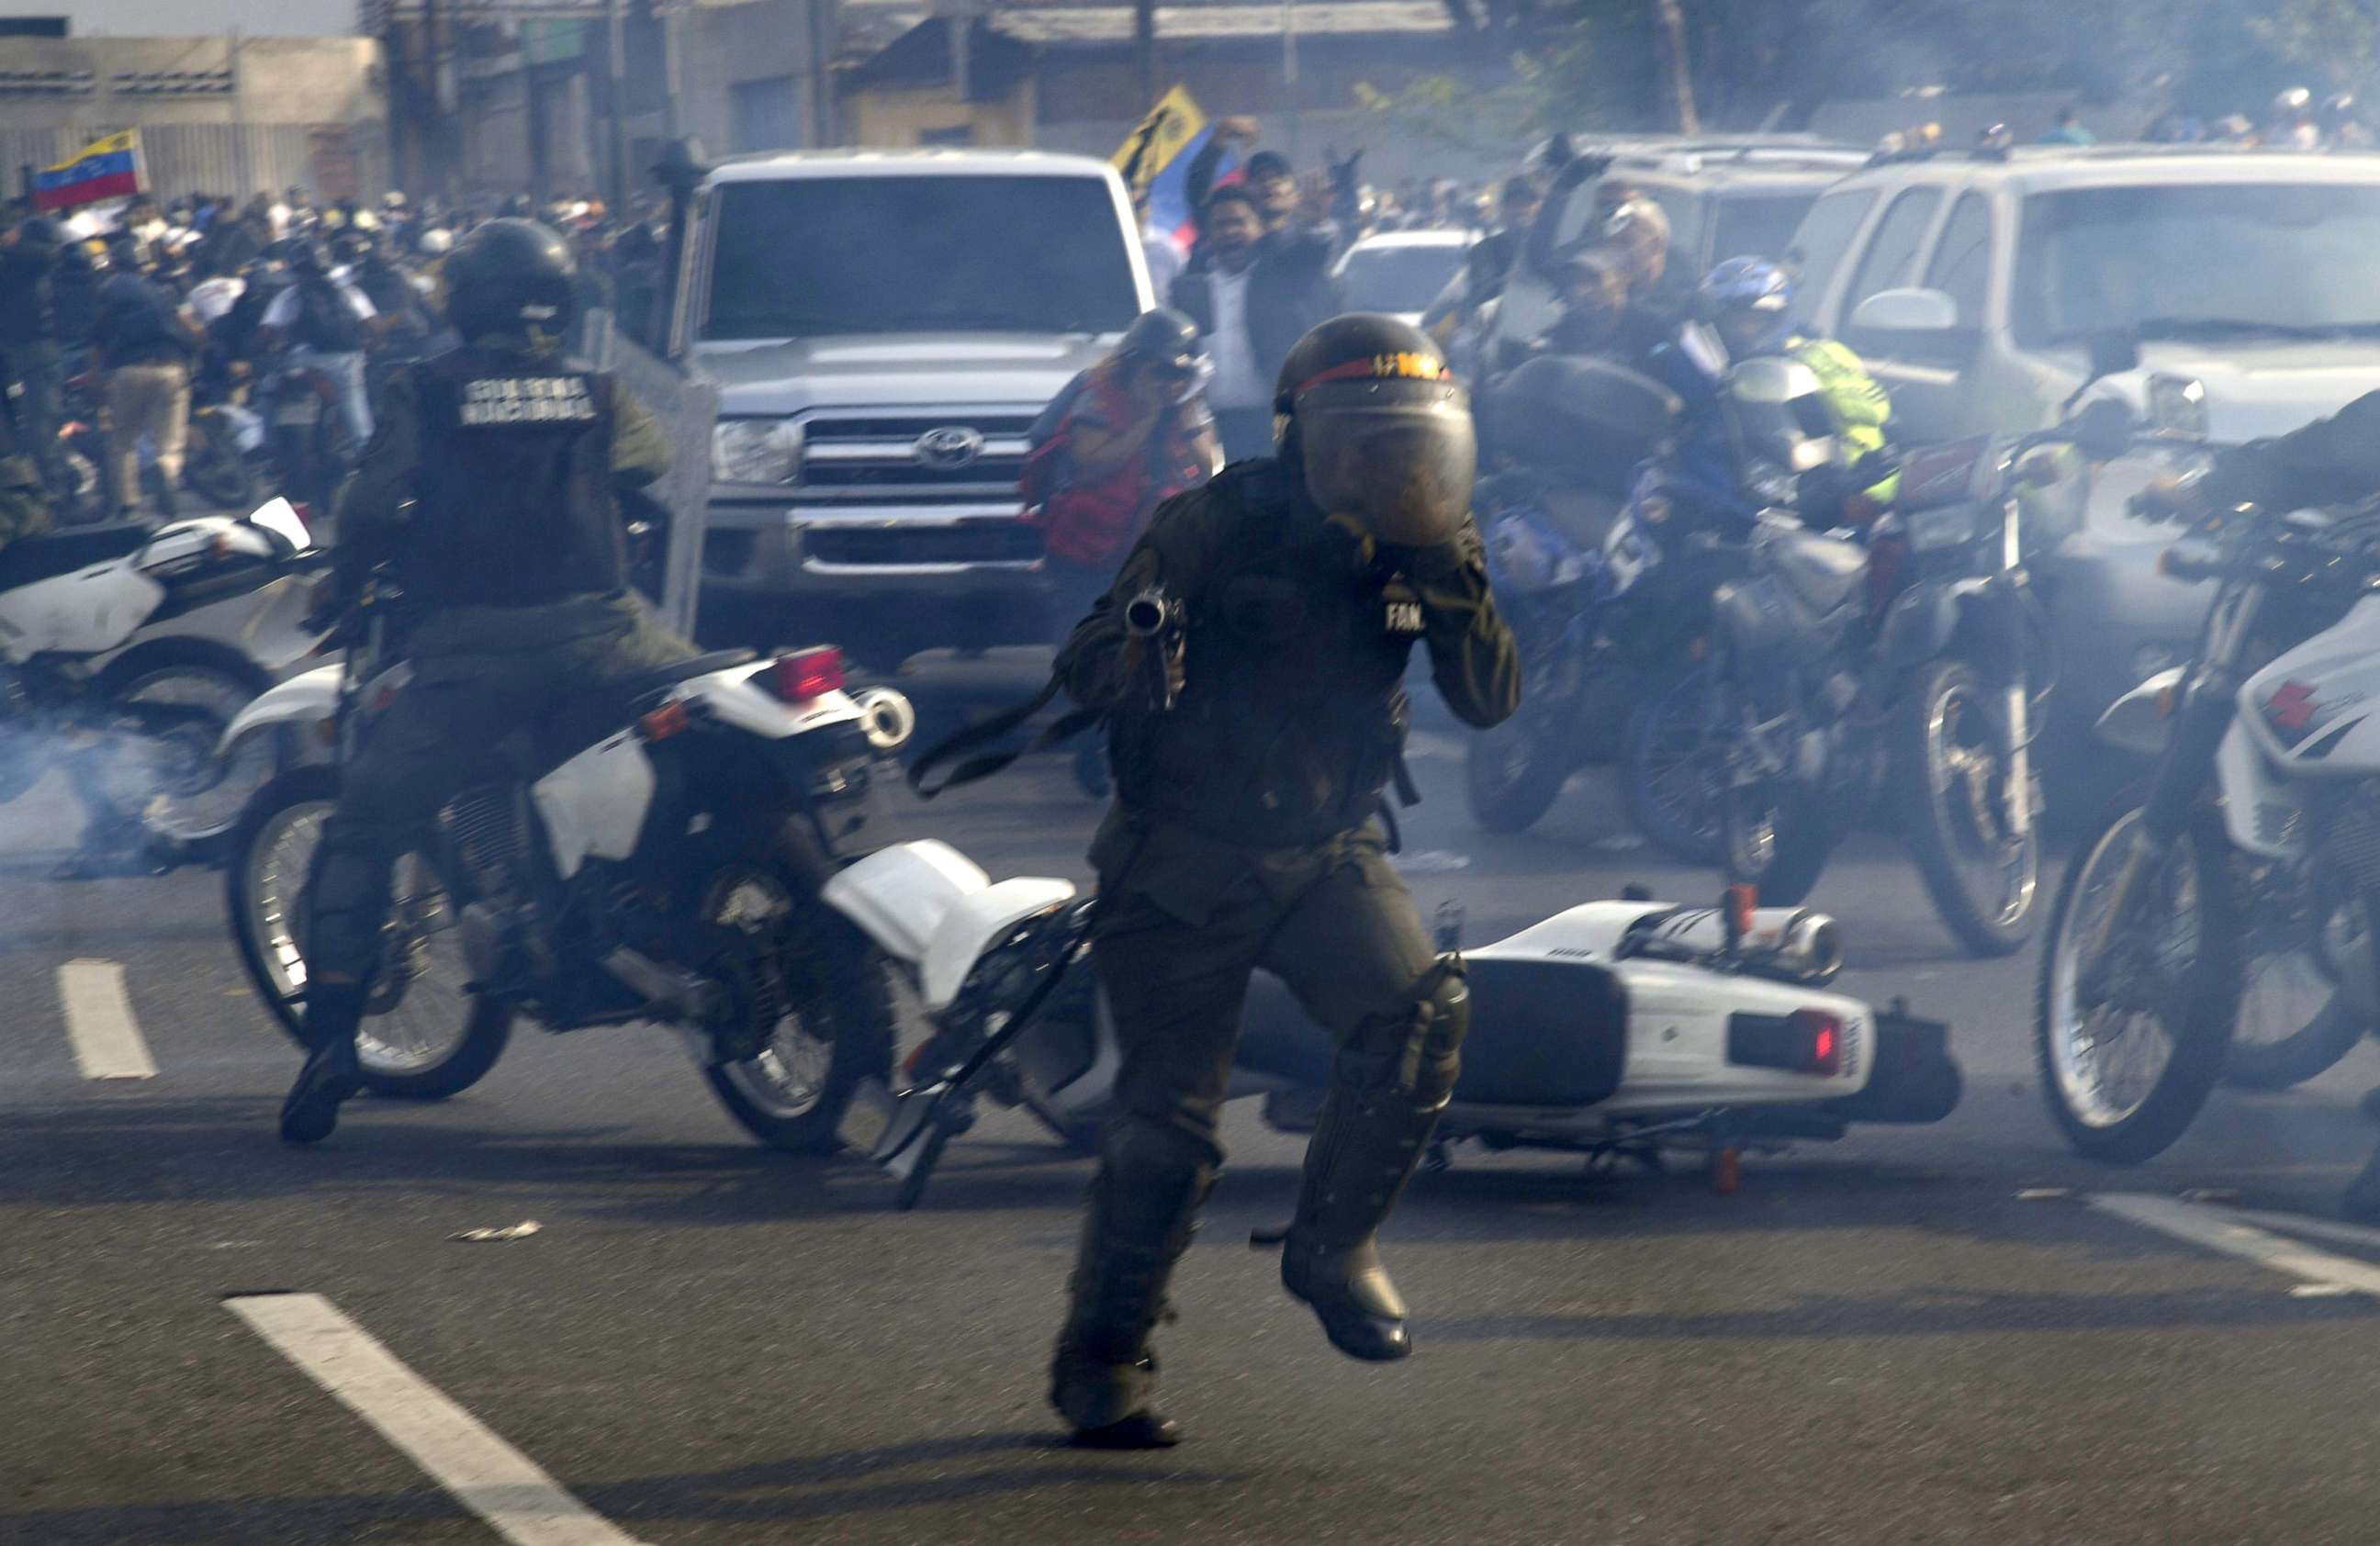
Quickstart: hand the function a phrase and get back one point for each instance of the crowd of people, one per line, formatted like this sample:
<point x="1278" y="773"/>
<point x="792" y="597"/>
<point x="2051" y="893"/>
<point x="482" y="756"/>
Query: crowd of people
<point x="212" y="299"/>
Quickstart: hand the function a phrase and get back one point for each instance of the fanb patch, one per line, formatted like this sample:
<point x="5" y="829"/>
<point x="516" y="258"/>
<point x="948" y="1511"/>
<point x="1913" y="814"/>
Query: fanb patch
<point x="527" y="400"/>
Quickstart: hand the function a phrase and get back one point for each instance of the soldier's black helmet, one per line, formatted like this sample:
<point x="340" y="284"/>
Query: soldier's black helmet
<point x="511" y="276"/>
<point x="1164" y="340"/>
<point x="40" y="231"/>
<point x="1381" y="427"/>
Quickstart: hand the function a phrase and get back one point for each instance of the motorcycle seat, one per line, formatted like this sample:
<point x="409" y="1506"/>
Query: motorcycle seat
<point x="658" y="678"/>
<point x="1823" y="573"/>
<point x="46" y="557"/>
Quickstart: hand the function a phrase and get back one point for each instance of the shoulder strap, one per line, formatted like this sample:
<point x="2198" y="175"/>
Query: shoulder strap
<point x="985" y="731"/>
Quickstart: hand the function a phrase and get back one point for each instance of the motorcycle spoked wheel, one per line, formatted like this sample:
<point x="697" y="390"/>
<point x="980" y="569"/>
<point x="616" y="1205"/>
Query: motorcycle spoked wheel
<point x="2129" y="1047"/>
<point x="2293" y="1023"/>
<point x="1513" y="772"/>
<point x="172" y="779"/>
<point x="816" y="998"/>
<point x="213" y="467"/>
<point x="1669" y="771"/>
<point x="1951" y="782"/>
<point x="424" y="1036"/>
<point x="1777" y="830"/>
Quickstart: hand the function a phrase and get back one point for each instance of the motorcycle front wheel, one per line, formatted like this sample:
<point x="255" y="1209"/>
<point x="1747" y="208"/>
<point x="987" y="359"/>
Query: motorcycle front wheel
<point x="1513" y="772"/>
<point x="424" y="1036"/>
<point x="1951" y="759"/>
<point x="172" y="778"/>
<point x="2134" y="1009"/>
<point x="813" y="1001"/>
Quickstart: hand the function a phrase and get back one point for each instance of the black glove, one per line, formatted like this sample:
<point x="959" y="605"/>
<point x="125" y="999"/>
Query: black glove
<point x="1581" y="170"/>
<point x="1343" y="176"/>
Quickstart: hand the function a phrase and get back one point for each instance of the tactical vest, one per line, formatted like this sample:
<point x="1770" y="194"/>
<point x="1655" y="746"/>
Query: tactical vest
<point x="514" y="500"/>
<point x="1293" y="718"/>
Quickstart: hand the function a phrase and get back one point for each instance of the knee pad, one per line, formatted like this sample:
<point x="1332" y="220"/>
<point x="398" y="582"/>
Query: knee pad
<point x="1416" y="1050"/>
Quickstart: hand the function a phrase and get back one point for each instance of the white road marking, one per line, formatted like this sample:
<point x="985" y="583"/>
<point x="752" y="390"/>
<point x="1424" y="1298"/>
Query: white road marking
<point x="107" y="1041"/>
<point x="2316" y="1228"/>
<point x="486" y="1475"/>
<point x="2220" y="1229"/>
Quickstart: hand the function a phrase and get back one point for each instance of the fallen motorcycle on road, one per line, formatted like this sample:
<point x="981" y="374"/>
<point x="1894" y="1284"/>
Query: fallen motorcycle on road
<point x="1614" y="1029"/>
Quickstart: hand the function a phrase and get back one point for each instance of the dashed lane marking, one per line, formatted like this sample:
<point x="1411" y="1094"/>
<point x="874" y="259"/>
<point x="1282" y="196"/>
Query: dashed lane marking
<point x="2222" y="1229"/>
<point x="461" y="1453"/>
<point x="106" y="1039"/>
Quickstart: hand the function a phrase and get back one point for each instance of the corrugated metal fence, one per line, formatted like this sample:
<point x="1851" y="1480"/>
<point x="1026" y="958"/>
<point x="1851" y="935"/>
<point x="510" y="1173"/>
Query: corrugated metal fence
<point x="220" y="158"/>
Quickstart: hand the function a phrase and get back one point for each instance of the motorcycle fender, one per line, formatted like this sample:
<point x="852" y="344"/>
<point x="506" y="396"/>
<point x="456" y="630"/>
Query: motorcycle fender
<point x="733" y="698"/>
<point x="1920" y="623"/>
<point x="2263" y="813"/>
<point x="2142" y="720"/>
<point x="593" y="806"/>
<point x="88" y="612"/>
<point x="308" y="698"/>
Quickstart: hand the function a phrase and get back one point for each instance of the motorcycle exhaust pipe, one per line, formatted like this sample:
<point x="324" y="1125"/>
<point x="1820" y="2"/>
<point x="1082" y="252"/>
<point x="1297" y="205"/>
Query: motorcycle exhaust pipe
<point x="681" y="994"/>
<point x="887" y="718"/>
<point x="1805" y="946"/>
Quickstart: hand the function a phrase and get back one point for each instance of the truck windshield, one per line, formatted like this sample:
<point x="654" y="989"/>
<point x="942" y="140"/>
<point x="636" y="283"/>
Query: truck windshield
<point x="2209" y="263"/>
<point x="816" y="257"/>
<point x="1400" y="278"/>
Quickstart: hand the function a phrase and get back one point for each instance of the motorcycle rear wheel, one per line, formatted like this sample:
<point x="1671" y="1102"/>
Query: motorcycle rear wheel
<point x="824" y="993"/>
<point x="213" y="467"/>
<point x="1667" y="774"/>
<point x="2294" y="1022"/>
<point x="2184" y="936"/>
<point x="1513" y="773"/>
<point x="423" y="1038"/>
<point x="1951" y="765"/>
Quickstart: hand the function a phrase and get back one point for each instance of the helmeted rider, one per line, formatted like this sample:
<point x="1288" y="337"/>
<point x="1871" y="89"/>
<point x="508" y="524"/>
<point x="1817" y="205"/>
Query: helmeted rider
<point x="1744" y="311"/>
<point x="492" y="486"/>
<point x="1243" y="834"/>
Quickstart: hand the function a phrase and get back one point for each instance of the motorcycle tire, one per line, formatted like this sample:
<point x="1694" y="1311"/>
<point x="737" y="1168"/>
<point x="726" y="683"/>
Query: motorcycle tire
<point x="1944" y="703"/>
<point x="263" y="910"/>
<point x="213" y="468"/>
<point x="1667" y="741"/>
<point x="839" y="976"/>
<point x="2209" y="994"/>
<point x="1511" y="774"/>
<point x="2306" y="1054"/>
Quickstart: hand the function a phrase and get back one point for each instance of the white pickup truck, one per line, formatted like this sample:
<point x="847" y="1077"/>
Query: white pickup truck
<point x="883" y="327"/>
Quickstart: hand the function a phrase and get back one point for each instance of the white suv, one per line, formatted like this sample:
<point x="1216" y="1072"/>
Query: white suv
<point x="1972" y="285"/>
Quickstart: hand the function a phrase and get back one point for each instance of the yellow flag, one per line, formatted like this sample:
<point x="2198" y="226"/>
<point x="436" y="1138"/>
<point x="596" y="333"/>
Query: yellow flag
<point x="113" y="145"/>
<point x="1158" y="138"/>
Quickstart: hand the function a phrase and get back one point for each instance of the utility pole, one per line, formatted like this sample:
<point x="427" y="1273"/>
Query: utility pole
<point x="616" y="99"/>
<point x="1670" y="24"/>
<point x="1144" y="47"/>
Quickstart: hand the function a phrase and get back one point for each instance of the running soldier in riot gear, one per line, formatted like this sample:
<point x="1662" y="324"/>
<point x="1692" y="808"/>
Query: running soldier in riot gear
<point x="492" y="483"/>
<point x="1243" y="834"/>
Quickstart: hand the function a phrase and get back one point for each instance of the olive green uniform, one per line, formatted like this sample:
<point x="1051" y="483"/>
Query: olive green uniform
<point x="1244" y="835"/>
<point x="495" y="688"/>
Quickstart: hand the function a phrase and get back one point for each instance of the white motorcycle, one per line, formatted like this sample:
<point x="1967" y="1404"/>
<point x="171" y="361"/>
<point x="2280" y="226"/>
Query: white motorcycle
<point x="1615" y="1029"/>
<point x="124" y="650"/>
<point x="2223" y="923"/>
<point x="669" y="872"/>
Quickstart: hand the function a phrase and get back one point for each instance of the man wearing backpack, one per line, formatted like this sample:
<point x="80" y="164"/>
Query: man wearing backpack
<point x="328" y="320"/>
<point x="146" y="345"/>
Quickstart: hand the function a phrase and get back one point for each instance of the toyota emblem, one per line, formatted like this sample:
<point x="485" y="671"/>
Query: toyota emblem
<point x="950" y="448"/>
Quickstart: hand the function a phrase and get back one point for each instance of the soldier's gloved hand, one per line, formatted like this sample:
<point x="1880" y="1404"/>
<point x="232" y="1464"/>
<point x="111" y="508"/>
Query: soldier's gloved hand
<point x="1439" y="564"/>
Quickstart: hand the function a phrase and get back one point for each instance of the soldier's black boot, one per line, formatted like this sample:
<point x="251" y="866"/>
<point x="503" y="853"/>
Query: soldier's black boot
<point x="1143" y="1208"/>
<point x="1388" y="1088"/>
<point x="331" y="1076"/>
<point x="1361" y="1154"/>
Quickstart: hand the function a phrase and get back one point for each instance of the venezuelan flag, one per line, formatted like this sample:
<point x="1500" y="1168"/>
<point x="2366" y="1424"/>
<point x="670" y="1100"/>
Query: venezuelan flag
<point x="1155" y="160"/>
<point x="108" y="168"/>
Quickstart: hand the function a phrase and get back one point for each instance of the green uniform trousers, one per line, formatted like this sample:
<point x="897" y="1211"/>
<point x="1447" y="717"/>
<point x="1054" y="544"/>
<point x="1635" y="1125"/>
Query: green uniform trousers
<point x="496" y="692"/>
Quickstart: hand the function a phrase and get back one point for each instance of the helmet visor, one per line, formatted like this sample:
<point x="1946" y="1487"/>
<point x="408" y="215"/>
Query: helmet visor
<point x="1397" y="455"/>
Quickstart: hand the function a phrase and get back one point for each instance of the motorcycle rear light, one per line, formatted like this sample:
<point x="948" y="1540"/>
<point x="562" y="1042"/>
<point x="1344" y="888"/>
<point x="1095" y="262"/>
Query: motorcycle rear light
<point x="665" y="721"/>
<point x="1807" y="1041"/>
<point x="807" y="673"/>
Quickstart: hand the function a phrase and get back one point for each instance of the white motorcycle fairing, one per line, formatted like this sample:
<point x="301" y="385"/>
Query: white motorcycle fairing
<point x="2141" y="719"/>
<point x="93" y="611"/>
<point x="2314" y="711"/>
<point x="931" y="908"/>
<point x="89" y="612"/>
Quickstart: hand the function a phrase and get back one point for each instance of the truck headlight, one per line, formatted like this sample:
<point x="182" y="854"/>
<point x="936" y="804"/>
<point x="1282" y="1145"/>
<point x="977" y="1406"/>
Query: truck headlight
<point x="2178" y="408"/>
<point x="756" y="450"/>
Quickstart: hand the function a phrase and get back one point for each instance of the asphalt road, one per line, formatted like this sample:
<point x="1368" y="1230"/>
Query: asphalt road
<point x="1877" y="1340"/>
